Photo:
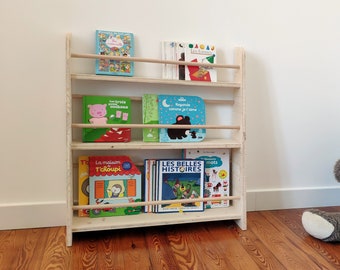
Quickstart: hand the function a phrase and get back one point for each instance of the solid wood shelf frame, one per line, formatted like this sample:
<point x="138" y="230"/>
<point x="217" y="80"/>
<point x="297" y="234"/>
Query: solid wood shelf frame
<point x="237" y="209"/>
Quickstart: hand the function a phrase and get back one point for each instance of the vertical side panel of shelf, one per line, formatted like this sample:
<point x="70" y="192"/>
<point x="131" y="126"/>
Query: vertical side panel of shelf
<point x="238" y="157"/>
<point x="239" y="97"/>
<point x="238" y="185"/>
<point x="69" y="166"/>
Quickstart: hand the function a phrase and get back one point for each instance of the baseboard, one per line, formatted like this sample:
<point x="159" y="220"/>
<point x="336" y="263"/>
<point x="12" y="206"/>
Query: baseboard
<point x="270" y="199"/>
<point x="32" y="215"/>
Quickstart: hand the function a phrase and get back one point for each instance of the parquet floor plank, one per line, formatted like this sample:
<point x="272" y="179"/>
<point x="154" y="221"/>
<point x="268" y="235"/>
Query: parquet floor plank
<point x="274" y="240"/>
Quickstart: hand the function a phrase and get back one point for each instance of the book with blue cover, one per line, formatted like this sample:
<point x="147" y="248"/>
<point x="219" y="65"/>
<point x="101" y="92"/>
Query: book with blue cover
<point x="178" y="179"/>
<point x="181" y="110"/>
<point x="113" y="43"/>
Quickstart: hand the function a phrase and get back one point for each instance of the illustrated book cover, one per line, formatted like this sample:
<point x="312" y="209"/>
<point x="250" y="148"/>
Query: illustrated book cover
<point x="197" y="52"/>
<point x="217" y="173"/>
<point x="150" y="116"/>
<point x="114" y="179"/>
<point x="83" y="184"/>
<point x="113" y="43"/>
<point x="200" y="53"/>
<point x="180" y="179"/>
<point x="106" y="110"/>
<point x="181" y="110"/>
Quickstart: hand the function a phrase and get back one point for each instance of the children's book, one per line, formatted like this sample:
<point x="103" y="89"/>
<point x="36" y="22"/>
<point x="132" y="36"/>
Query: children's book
<point x="150" y="116"/>
<point x="180" y="179"/>
<point x="181" y="110"/>
<point x="189" y="52"/>
<point x="113" y="43"/>
<point x="106" y="110"/>
<point x="114" y="179"/>
<point x="169" y="53"/>
<point x="83" y="184"/>
<point x="180" y="56"/>
<point x="149" y="184"/>
<point x="217" y="173"/>
<point x="200" y="53"/>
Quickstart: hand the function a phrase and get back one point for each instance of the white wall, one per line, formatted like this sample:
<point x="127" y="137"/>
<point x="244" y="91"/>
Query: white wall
<point x="32" y="97"/>
<point x="292" y="92"/>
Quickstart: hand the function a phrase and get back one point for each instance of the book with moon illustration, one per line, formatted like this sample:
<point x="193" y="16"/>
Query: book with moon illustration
<point x="181" y="110"/>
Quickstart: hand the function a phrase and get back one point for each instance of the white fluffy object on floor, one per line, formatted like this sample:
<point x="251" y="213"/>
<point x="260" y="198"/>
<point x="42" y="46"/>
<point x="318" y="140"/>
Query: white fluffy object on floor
<point x="316" y="225"/>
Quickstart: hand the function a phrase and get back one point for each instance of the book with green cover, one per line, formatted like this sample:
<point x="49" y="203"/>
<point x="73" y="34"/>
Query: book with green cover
<point x="150" y="116"/>
<point x="99" y="110"/>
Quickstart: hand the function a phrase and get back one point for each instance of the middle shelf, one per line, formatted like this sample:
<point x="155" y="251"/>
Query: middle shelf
<point x="208" y="143"/>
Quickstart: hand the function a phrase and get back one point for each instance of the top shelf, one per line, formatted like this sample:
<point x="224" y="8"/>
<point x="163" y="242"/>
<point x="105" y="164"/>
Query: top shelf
<point x="91" y="77"/>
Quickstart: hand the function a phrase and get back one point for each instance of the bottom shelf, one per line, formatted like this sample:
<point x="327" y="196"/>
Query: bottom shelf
<point x="83" y="224"/>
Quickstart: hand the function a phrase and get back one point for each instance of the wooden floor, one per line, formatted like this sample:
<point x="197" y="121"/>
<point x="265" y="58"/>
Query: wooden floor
<point x="274" y="240"/>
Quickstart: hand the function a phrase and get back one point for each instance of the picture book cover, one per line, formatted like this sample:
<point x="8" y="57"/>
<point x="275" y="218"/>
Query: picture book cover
<point x="181" y="110"/>
<point x="200" y="53"/>
<point x="180" y="179"/>
<point x="189" y="52"/>
<point x="83" y="184"/>
<point x="114" y="44"/>
<point x="106" y="110"/>
<point x="114" y="179"/>
<point x="217" y="173"/>
<point x="150" y="116"/>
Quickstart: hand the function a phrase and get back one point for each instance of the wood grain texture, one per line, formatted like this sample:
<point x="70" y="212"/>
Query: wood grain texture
<point x="274" y="240"/>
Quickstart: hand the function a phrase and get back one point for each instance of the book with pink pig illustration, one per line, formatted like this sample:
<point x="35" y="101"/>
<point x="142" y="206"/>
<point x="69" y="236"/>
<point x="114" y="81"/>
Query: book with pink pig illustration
<point x="101" y="110"/>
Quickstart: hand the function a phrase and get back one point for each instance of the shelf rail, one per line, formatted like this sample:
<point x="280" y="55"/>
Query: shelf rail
<point x="80" y="125"/>
<point x="135" y="204"/>
<point x="150" y="60"/>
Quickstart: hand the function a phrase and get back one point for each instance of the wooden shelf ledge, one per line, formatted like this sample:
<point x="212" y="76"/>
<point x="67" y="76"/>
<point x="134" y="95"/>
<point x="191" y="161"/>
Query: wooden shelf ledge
<point x="133" y="145"/>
